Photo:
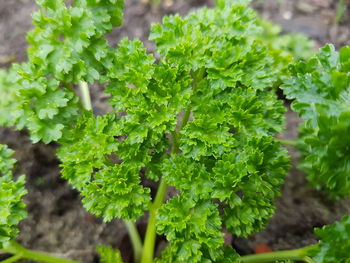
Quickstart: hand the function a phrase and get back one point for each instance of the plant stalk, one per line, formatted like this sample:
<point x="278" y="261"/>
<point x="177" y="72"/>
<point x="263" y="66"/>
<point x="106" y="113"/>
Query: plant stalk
<point x="85" y="95"/>
<point x="11" y="259"/>
<point x="149" y="243"/>
<point x="294" y="254"/>
<point x="150" y="239"/>
<point x="197" y="77"/>
<point x="20" y="252"/>
<point x="135" y="240"/>
<point x="287" y="142"/>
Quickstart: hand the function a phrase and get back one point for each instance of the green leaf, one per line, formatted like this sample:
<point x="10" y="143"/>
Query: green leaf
<point x="10" y="101"/>
<point x="321" y="88"/>
<point x="319" y="82"/>
<point x="43" y="107"/>
<point x="345" y="58"/>
<point x="109" y="184"/>
<point x="284" y="48"/>
<point x="66" y="46"/>
<point x="7" y="163"/>
<point x="221" y="40"/>
<point x="247" y="181"/>
<point x="115" y="192"/>
<point x="326" y="150"/>
<point x="12" y="207"/>
<point x="109" y="255"/>
<point x="86" y="147"/>
<point x="193" y="228"/>
<point x="334" y="242"/>
<point x="64" y="39"/>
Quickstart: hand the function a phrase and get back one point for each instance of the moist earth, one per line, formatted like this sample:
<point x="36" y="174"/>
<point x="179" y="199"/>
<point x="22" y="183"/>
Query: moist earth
<point x="57" y="222"/>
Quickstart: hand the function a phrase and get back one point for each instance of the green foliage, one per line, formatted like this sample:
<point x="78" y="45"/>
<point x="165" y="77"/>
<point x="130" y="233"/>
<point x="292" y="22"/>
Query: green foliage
<point x="240" y="180"/>
<point x="7" y="163"/>
<point x="9" y="103"/>
<point x="202" y="117"/>
<point x="44" y="107"/>
<point x="208" y="99"/>
<point x="334" y="242"/>
<point x="66" y="47"/>
<point x="67" y="41"/>
<point x="295" y="46"/>
<point x="286" y="48"/>
<point x="109" y="255"/>
<point x="169" y="255"/>
<point x="109" y="188"/>
<point x="12" y="207"/>
<point x="193" y="229"/>
<point x="321" y="89"/>
<point x="222" y="40"/>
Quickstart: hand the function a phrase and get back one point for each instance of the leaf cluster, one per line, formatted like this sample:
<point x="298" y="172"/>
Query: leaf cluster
<point x="334" y="242"/>
<point x="109" y="188"/>
<point x="9" y="103"/>
<point x="320" y="88"/>
<point x="202" y="117"/>
<point x="65" y="47"/>
<point x="200" y="114"/>
<point x="12" y="207"/>
<point x="286" y="48"/>
<point x="108" y="255"/>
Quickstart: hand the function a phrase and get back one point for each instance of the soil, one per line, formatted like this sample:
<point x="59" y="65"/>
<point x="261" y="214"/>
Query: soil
<point x="57" y="222"/>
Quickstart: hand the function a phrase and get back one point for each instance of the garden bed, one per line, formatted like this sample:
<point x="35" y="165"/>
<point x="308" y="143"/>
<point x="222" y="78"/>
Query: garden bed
<point x="57" y="222"/>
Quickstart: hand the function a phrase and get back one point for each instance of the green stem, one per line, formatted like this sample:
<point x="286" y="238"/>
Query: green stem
<point x="20" y="252"/>
<point x="287" y="142"/>
<point x="150" y="239"/>
<point x="295" y="254"/>
<point x="85" y="95"/>
<point x="197" y="77"/>
<point x="11" y="259"/>
<point x="186" y="117"/>
<point x="135" y="240"/>
<point x="149" y="244"/>
<point x="175" y="139"/>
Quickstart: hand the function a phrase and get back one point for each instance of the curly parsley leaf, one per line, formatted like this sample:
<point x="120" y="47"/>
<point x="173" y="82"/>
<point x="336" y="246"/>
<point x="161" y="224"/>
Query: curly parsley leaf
<point x="9" y="103"/>
<point x="203" y="117"/>
<point x="67" y="41"/>
<point x="320" y="88"/>
<point x="109" y="255"/>
<point x="319" y="84"/>
<point x="221" y="40"/>
<point x="116" y="192"/>
<point x="284" y="48"/>
<point x="334" y="242"/>
<point x="110" y="187"/>
<point x="12" y="207"/>
<point x="65" y="47"/>
<point x="193" y="228"/>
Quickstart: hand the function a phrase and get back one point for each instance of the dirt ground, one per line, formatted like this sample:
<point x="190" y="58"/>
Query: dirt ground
<point x="57" y="222"/>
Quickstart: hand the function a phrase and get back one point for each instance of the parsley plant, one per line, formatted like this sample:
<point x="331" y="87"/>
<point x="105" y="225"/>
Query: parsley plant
<point x="199" y="115"/>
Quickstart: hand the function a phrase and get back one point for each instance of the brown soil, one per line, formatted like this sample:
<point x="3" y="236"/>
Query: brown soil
<point x="57" y="222"/>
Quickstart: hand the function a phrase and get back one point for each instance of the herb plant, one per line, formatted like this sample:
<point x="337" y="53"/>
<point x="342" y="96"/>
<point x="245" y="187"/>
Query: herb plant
<point x="12" y="211"/>
<point x="199" y="115"/>
<point x="320" y="88"/>
<point x="12" y="206"/>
